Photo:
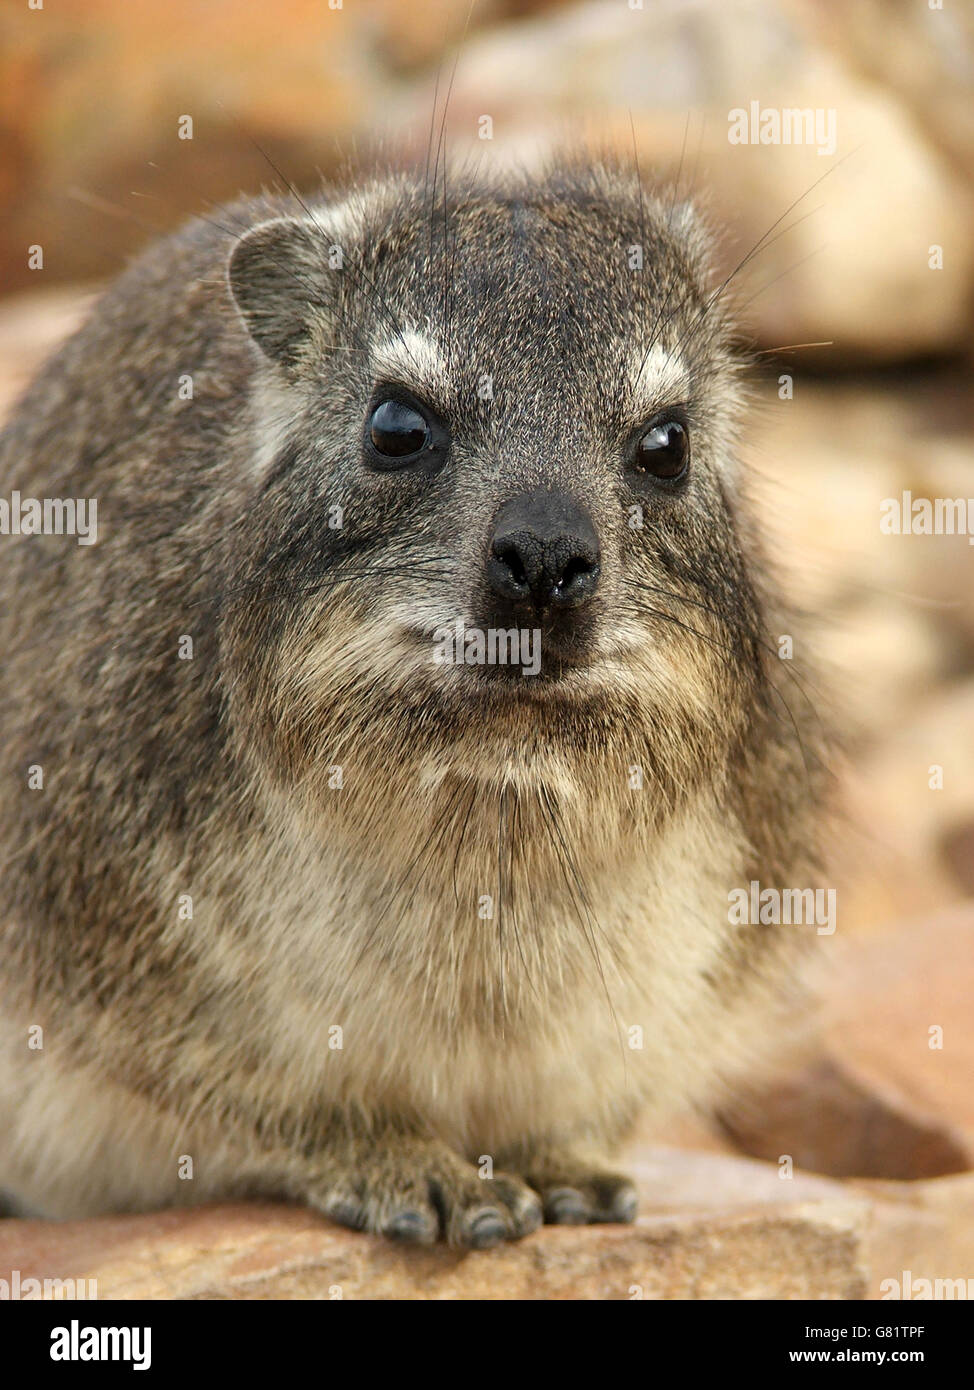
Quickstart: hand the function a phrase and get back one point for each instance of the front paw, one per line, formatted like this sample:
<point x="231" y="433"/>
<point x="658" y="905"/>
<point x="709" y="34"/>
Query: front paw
<point x="419" y="1192"/>
<point x="576" y="1190"/>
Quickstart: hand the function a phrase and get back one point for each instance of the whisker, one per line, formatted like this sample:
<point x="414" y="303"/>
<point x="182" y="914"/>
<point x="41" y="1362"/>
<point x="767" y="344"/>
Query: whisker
<point x="728" y="621"/>
<point x="723" y="648"/>
<point x="761" y="244"/>
<point x="331" y="579"/>
<point x="793" y="347"/>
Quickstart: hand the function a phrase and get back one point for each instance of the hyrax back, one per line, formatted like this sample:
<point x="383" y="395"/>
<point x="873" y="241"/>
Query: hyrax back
<point x="321" y="887"/>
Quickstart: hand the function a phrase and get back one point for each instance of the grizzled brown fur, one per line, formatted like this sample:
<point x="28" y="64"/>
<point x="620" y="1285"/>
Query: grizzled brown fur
<point x="359" y="907"/>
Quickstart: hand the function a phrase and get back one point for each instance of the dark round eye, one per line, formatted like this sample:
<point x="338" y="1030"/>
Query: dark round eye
<point x="397" y="430"/>
<point x="664" y="450"/>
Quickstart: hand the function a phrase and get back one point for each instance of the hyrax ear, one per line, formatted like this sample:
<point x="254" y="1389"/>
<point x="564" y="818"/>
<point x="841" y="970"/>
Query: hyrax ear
<point x="277" y="275"/>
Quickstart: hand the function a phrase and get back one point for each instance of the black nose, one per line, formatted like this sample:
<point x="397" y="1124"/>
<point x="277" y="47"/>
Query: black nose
<point x="544" y="550"/>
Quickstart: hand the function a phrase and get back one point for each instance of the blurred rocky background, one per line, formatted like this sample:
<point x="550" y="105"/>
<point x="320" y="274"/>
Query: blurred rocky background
<point x="860" y="303"/>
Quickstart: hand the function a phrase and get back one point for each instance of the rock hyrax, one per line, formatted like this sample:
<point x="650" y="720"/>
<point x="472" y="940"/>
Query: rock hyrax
<point x="374" y="785"/>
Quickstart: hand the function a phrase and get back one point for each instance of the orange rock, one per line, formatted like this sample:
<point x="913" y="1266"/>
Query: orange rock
<point x="890" y="1095"/>
<point x="715" y="1228"/>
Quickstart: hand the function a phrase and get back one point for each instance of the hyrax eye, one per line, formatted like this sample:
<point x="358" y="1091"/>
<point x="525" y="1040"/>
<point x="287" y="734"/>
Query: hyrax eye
<point x="664" y="450"/>
<point x="398" y="432"/>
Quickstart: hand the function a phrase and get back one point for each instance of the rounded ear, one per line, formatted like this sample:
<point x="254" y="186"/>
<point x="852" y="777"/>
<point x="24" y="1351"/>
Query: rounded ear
<point x="277" y="276"/>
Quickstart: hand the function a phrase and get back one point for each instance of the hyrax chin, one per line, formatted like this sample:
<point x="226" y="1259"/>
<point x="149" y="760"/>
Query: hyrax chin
<point x="376" y="783"/>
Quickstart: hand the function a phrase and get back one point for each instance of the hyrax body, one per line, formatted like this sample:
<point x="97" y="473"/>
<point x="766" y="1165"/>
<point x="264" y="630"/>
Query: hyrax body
<point x="300" y="901"/>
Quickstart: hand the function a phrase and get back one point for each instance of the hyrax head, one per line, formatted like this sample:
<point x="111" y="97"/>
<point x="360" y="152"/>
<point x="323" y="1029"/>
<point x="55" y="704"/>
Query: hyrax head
<point x="495" y="501"/>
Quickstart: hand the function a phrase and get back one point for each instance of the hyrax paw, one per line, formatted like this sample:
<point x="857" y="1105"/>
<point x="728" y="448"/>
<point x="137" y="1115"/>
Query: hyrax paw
<point x="420" y="1193"/>
<point x="599" y="1197"/>
<point x="575" y="1192"/>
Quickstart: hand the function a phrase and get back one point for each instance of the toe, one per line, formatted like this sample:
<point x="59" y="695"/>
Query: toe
<point x="575" y="1192"/>
<point x="412" y="1226"/>
<point x="522" y="1203"/>
<point x="479" y="1213"/>
<point x="345" y="1211"/>
<point x="566" y="1206"/>
<point x="614" y="1198"/>
<point x="484" y="1229"/>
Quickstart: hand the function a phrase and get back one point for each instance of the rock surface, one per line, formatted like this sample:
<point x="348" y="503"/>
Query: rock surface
<point x="891" y="1092"/>
<point x="762" y="1238"/>
<point x="713" y="1226"/>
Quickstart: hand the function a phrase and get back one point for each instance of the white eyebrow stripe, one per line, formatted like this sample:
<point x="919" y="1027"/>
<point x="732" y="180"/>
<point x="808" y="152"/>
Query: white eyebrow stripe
<point x="661" y="378"/>
<point x="412" y="358"/>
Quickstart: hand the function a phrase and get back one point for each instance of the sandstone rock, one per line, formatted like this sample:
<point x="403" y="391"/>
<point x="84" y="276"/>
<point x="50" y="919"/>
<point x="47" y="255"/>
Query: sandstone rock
<point x="827" y="1119"/>
<point x="926" y="57"/>
<point x="884" y="1099"/>
<point x="714" y="1228"/>
<point x="899" y="823"/>
<point x="896" y="612"/>
<point x="892" y="617"/>
<point x="957" y="848"/>
<point x="917" y="1231"/>
<point x="91" y="98"/>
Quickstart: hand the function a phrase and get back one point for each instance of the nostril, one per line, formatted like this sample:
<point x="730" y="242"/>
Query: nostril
<point x="575" y="569"/>
<point x="576" y="581"/>
<point x="509" y="555"/>
<point x="507" y="570"/>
